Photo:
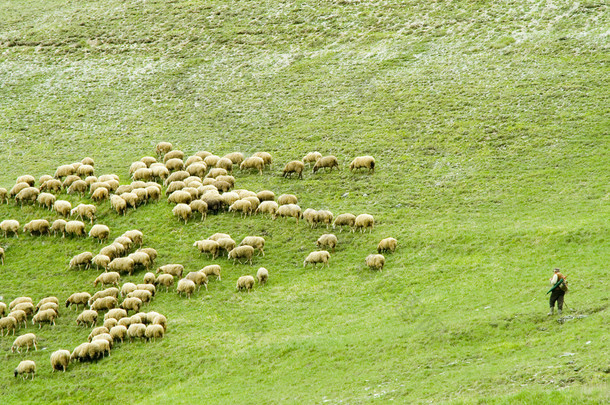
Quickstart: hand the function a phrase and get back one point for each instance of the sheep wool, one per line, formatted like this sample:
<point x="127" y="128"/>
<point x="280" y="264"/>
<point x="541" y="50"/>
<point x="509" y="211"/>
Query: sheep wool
<point x="375" y="261"/>
<point x="363" y="162"/>
<point x="387" y="244"/>
<point x="245" y="283"/>
<point x="25" y="368"/>
<point x="321" y="256"/>
<point x="262" y="275"/>
<point x="28" y="340"/>
<point x="60" y="359"/>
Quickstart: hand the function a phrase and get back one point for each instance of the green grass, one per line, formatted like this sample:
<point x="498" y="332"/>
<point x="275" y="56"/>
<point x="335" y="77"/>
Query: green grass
<point x="489" y="123"/>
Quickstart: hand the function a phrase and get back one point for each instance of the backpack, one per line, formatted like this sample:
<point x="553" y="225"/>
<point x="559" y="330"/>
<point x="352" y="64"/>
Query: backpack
<point x="564" y="285"/>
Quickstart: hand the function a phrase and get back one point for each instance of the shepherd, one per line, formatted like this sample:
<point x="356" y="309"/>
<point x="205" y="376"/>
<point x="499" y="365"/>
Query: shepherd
<point x="560" y="287"/>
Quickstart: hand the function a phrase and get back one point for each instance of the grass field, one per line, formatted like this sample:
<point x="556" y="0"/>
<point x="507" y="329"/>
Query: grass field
<point x="489" y="122"/>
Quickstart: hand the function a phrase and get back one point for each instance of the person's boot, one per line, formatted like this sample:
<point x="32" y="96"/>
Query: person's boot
<point x="551" y="312"/>
<point x="559" y="312"/>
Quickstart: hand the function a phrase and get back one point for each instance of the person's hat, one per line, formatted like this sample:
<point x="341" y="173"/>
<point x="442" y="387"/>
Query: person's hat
<point x="556" y="270"/>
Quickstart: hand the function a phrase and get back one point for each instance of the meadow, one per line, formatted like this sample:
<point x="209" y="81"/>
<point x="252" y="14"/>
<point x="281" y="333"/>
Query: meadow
<point x="489" y="122"/>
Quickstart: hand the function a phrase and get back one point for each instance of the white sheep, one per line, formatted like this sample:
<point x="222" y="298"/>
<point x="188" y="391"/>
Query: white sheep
<point x="145" y="295"/>
<point x="28" y="340"/>
<point x="163" y="148"/>
<point x="173" y="269"/>
<point x="25" y="368"/>
<point x="364" y="221"/>
<point x="219" y="235"/>
<point x="329" y="240"/>
<point x="180" y="197"/>
<point x="104" y="303"/>
<point x="20" y="316"/>
<point x="152" y="253"/>
<point x="245" y="283"/>
<point x="85" y="211"/>
<point x="60" y="359"/>
<point x="118" y="332"/>
<point x="9" y="323"/>
<point x="257" y="242"/>
<point x="126" y="288"/>
<point x="85" y="170"/>
<point x="132" y="304"/>
<point x="154" y="332"/>
<point x="326" y="161"/>
<point x="363" y="162"/>
<point x="295" y="166"/>
<point x="109" y="323"/>
<point x="180" y="175"/>
<point x="37" y="226"/>
<point x="211" y="160"/>
<point x="148" y="287"/>
<point x="342" y="220"/>
<point x="253" y="162"/>
<point x="136" y="330"/>
<point x="88" y="316"/>
<point x="166" y="280"/>
<point x="290" y="210"/>
<point x="62" y="207"/>
<point x="108" y="292"/>
<point x="16" y="189"/>
<point x="101" y="261"/>
<point x="269" y="207"/>
<point x="149" y="278"/>
<point x="208" y="246"/>
<point x="224" y="163"/>
<point x="173" y="154"/>
<point x="186" y="286"/>
<point x="50" y="305"/>
<point x="47" y="300"/>
<point x="387" y="244"/>
<point x="76" y="228"/>
<point x="78" y="187"/>
<point x="235" y="157"/>
<point x="27" y="195"/>
<point x="2" y="255"/>
<point x="9" y="226"/>
<point x="262" y="275"/>
<point x="122" y="265"/>
<point x="19" y="300"/>
<point x="201" y="207"/>
<point x="3" y="195"/>
<point x="266" y="156"/>
<point x="47" y="315"/>
<point x="26" y="178"/>
<point x="82" y="259"/>
<point x="78" y="299"/>
<point x="375" y="261"/>
<point x="3" y="308"/>
<point x="116" y="314"/>
<point x="312" y="157"/>
<point x="183" y="211"/>
<point x="46" y="200"/>
<point x="286" y="199"/>
<point x="212" y="269"/>
<point x="320" y="256"/>
<point x="241" y="252"/>
<point x="243" y="206"/>
<point x="174" y="164"/>
<point x="111" y="277"/>
<point x="118" y="204"/>
<point x="199" y="278"/>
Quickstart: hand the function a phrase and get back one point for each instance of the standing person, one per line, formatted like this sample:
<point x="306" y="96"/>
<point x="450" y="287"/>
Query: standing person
<point x="558" y="281"/>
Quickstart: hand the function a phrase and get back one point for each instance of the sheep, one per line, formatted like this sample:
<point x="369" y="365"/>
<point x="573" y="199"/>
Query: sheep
<point x="180" y="197"/>
<point x="266" y="156"/>
<point x="325" y="217"/>
<point x="165" y="279"/>
<point x="364" y="221"/>
<point x="211" y="160"/>
<point x="101" y="261"/>
<point x="198" y="278"/>
<point x="387" y="244"/>
<point x="3" y="308"/>
<point x="100" y="194"/>
<point x="217" y="172"/>
<point x="78" y="186"/>
<point x="235" y="157"/>
<point x="25" y="368"/>
<point x="9" y="323"/>
<point x="97" y="331"/>
<point x="49" y="305"/>
<point x="286" y="199"/>
<point x="149" y="278"/>
<point x="27" y="307"/>
<point x="366" y="162"/>
<point x="76" y="228"/>
<point x="219" y="235"/>
<point x="312" y="157"/>
<point x="155" y="318"/>
<point x="110" y="251"/>
<point x="329" y="240"/>
<point x="143" y="173"/>
<point x="163" y="148"/>
<point x="320" y="256"/>
<point x="46" y="200"/>
<point x="243" y="206"/>
<point x="16" y="189"/>
<point x="78" y="299"/>
<point x="47" y="300"/>
<point x="37" y="226"/>
<point x="118" y="204"/>
<point x="106" y="177"/>
<point x="104" y="303"/>
<point x="108" y="292"/>
<point x="131" y="199"/>
<point x="60" y="359"/>
<point x="140" y="259"/>
<point x="154" y="332"/>
<point x="2" y="255"/>
<point x="85" y="211"/>
<point x="245" y="283"/>
<point x="174" y="165"/>
<point x="109" y="323"/>
<point x="375" y="261"/>
<point x="146" y="287"/>
<point x="159" y="171"/>
<point x="185" y="286"/>
<point x="174" y="154"/>
<point x="192" y="160"/>
<point x="326" y="161"/>
<point x="27" y="195"/>
<point x="18" y="301"/>
<point x="224" y="163"/>
<point x="122" y="265"/>
<point x="132" y="303"/>
<point x="125" y="188"/>
<point x="269" y="207"/>
<point x="290" y="210"/>
<point x="126" y="321"/>
<point x="52" y="185"/>
<point x="125" y="241"/>
<point x="102" y="344"/>
<point x="85" y="170"/>
<point x="136" y="330"/>
<point x="111" y="277"/>
<point x="3" y="195"/>
<point x="135" y="166"/>
<point x="28" y="340"/>
<point x="115" y="313"/>
<point x="176" y="176"/>
<point x="183" y="211"/>
<point x="26" y="178"/>
<point x="294" y="166"/>
<point x="201" y="207"/>
<point x="211" y="269"/>
<point x="152" y="253"/>
<point x="253" y="162"/>
<point x="144" y="295"/>
<point x="47" y="315"/>
<point x="344" y="219"/>
<point x="20" y="316"/>
<point x="83" y="259"/>
<point x="10" y="226"/>
<point x="173" y="269"/>
<point x="127" y="288"/>
<point x="262" y="275"/>
<point x="214" y="201"/>
<point x="241" y="252"/>
<point x="208" y="246"/>
<point x="62" y="207"/>
<point x="118" y="332"/>
<point x="197" y="169"/>
<point x="257" y="242"/>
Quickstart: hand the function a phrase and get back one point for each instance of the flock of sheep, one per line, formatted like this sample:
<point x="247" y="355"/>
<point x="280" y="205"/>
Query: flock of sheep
<point x="200" y="184"/>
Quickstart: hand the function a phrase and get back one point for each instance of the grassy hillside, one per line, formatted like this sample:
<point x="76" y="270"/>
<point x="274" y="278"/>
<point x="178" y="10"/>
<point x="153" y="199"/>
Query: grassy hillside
<point x="489" y="122"/>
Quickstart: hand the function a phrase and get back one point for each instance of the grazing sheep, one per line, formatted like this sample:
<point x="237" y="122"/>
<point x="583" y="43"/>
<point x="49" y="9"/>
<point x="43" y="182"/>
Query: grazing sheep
<point x="10" y="226"/>
<point x="118" y="332"/>
<point x="85" y="170"/>
<point x="197" y="169"/>
<point x="219" y="235"/>
<point x="116" y="314"/>
<point x="364" y="221"/>
<point x="174" y="154"/>
<point x="363" y="162"/>
<point x="104" y="303"/>
<point x="26" y="178"/>
<point x="320" y="256"/>
<point x="149" y="278"/>
<point x="342" y="220"/>
<point x="9" y="323"/>
<point x="326" y="161"/>
<point x="241" y="252"/>
<point x="208" y="246"/>
<point x="235" y="157"/>
<point x="211" y="160"/>
<point x="192" y="160"/>
<point x="212" y="269"/>
<point x="166" y="280"/>
<point x="110" y="251"/>
<point x="25" y="368"/>
<point x="152" y="253"/>
<point x="52" y="185"/>
<point x="174" y="186"/>
<point x="28" y="340"/>
<point x="100" y="194"/>
<point x="111" y="277"/>
<point x="176" y="176"/>
<point x="136" y="330"/>
<point x="286" y="199"/>
<point x="78" y="299"/>
<point x="294" y="166"/>
<point x="19" y="300"/>
<point x="100" y="232"/>
<point x="163" y="148"/>
<point x="102" y="344"/>
<point x="217" y="172"/>
<point x="46" y="200"/>
<point x="83" y="259"/>
<point x="125" y="188"/>
<point x="174" y="165"/>
<point x="173" y="269"/>
<point x="127" y="288"/>
<point x="47" y="315"/>
<point x="145" y="295"/>
<point x="50" y="305"/>
<point x="147" y="287"/>
<point x="140" y="259"/>
<point x="110" y="323"/>
<point x="125" y="241"/>
<point x="122" y="265"/>
<point x="180" y="197"/>
<point x="186" y="286"/>
<point x="132" y="304"/>
<point x="183" y="211"/>
<point x="387" y="244"/>
<point x="78" y="187"/>
<point x="3" y="308"/>
<point x="97" y="331"/>
<point x="266" y="156"/>
<point x="253" y="162"/>
<point x="199" y="278"/>
<point x="62" y="207"/>
<point x="20" y="316"/>
<point x="47" y="300"/>
<point x="290" y="210"/>
<point x="27" y="307"/>
<point x="108" y="292"/>
<point x="135" y="166"/>
<point x="224" y="163"/>
<point x="329" y="240"/>
<point x="131" y="199"/>
<point x="85" y="211"/>
<point x="269" y="207"/>
<point x="257" y="242"/>
<point x="243" y="206"/>
<point x="143" y="173"/>
<point x="157" y="319"/>
<point x="59" y="225"/>
<point x="154" y="332"/>
<point x="76" y="228"/>
<point x="312" y="157"/>
<point x="201" y="207"/>
<point x="262" y="275"/>
<point x="245" y="283"/>
<point x="159" y="171"/>
<point x="60" y="359"/>
<point x="101" y="261"/>
<point x="375" y="261"/>
<point x="27" y="195"/>
<point x="3" y="195"/>
<point x="118" y="204"/>
<point x="37" y="226"/>
<point x="324" y="217"/>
